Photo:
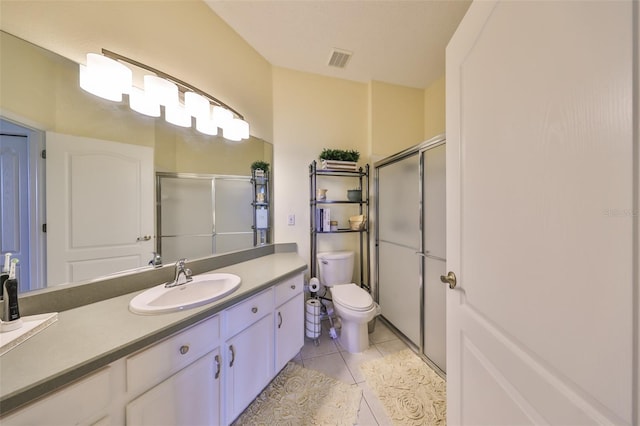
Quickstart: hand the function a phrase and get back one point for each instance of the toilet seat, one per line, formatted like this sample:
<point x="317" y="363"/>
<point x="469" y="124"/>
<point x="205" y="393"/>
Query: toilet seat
<point x="352" y="297"/>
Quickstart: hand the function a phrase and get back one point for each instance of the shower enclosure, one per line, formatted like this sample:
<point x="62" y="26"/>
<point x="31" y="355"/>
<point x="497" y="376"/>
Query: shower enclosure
<point x="411" y="246"/>
<point x="199" y="215"/>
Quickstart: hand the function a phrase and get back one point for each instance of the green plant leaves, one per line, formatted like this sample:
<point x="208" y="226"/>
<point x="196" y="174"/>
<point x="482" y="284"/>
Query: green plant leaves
<point x="339" y="154"/>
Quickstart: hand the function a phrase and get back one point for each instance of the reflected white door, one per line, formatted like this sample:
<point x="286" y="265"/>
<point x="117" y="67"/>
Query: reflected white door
<point x="539" y="214"/>
<point x="15" y="195"/>
<point x="99" y="207"/>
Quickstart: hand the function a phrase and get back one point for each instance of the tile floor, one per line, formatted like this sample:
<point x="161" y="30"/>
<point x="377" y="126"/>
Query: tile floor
<point x="330" y="358"/>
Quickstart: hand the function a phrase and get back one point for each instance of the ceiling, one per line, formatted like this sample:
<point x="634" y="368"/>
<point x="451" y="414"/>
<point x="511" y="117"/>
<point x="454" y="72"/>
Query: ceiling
<point x="394" y="41"/>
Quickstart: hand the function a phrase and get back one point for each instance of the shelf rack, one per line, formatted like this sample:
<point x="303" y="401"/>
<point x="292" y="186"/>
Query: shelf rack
<point x="261" y="199"/>
<point x="362" y="175"/>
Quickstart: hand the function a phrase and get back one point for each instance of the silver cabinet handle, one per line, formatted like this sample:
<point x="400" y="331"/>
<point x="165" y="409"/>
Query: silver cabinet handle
<point x="144" y="238"/>
<point x="279" y="319"/>
<point x="217" y="359"/>
<point x="184" y="349"/>
<point x="293" y="286"/>
<point x="450" y="278"/>
<point x="233" y="355"/>
<point x="254" y="310"/>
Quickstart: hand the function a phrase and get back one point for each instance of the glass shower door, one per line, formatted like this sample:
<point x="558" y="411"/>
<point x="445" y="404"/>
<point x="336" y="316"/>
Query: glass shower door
<point x="399" y="281"/>
<point x="434" y="251"/>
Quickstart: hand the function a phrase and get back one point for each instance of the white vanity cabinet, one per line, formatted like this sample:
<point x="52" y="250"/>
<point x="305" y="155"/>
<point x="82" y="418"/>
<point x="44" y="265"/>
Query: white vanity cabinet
<point x="180" y="379"/>
<point x="84" y="402"/>
<point x="206" y="374"/>
<point x="289" y="320"/>
<point x="248" y="351"/>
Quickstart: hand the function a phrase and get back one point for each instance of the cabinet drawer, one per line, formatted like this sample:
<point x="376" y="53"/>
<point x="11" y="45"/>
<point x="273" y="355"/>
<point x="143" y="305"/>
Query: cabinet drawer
<point x="152" y="365"/>
<point x="288" y="288"/>
<point x="81" y="402"/>
<point x="251" y="310"/>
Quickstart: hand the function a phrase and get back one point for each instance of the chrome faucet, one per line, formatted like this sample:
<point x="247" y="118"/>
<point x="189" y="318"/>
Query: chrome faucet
<point x="156" y="260"/>
<point x="182" y="276"/>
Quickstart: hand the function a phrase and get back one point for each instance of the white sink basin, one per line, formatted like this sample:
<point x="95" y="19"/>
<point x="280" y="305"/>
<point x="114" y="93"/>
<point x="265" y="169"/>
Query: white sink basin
<point x="204" y="288"/>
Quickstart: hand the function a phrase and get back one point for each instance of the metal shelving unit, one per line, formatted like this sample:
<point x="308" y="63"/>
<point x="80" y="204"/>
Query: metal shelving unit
<point x="362" y="175"/>
<point x="261" y="199"/>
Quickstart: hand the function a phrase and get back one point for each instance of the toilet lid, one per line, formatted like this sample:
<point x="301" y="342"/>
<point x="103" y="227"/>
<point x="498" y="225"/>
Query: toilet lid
<point x="351" y="296"/>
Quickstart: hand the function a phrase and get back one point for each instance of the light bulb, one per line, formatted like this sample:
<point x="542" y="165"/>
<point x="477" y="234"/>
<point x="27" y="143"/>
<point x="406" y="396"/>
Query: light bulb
<point x="207" y="126"/>
<point x="105" y="77"/>
<point x="140" y="102"/>
<point x="161" y="91"/>
<point x="221" y="116"/>
<point x="197" y="105"/>
<point x="177" y="115"/>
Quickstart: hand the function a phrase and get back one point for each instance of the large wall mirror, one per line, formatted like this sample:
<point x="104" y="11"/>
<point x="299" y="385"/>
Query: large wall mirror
<point x="39" y="91"/>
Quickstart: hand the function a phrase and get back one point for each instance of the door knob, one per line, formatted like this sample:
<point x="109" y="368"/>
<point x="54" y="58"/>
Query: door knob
<point x="450" y="278"/>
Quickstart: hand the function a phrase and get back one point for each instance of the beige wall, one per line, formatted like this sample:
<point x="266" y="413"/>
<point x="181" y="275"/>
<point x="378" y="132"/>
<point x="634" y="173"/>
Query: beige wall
<point x="312" y="112"/>
<point x="182" y="38"/>
<point x="434" y="107"/>
<point x="397" y="118"/>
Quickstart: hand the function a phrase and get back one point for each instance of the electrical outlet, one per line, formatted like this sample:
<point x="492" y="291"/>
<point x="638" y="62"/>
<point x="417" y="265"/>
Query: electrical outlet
<point x="291" y="220"/>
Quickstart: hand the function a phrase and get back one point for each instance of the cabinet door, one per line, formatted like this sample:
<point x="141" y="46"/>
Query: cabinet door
<point x="249" y="365"/>
<point x="189" y="397"/>
<point x="289" y="328"/>
<point x="81" y="403"/>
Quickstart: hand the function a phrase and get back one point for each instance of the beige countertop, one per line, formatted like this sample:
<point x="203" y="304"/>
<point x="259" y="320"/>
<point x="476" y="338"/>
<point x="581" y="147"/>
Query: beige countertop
<point x="89" y="337"/>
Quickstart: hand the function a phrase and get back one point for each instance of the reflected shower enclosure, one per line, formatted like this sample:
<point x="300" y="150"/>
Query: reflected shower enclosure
<point x="200" y="215"/>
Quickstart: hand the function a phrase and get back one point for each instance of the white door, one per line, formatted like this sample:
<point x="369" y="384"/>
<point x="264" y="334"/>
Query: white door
<point x="99" y="207"/>
<point x="22" y="201"/>
<point x="190" y="397"/>
<point x="289" y="328"/>
<point x="539" y="214"/>
<point x="249" y="365"/>
<point x="15" y="223"/>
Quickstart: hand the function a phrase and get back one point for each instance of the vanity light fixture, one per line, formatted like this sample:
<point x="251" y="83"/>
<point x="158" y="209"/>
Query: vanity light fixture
<point x="108" y="77"/>
<point x="105" y="77"/>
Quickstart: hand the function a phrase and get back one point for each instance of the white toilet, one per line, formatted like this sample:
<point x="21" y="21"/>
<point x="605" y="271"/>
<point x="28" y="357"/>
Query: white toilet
<point x="352" y="304"/>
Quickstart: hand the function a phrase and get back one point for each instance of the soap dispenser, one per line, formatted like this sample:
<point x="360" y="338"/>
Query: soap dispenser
<point x="10" y="312"/>
<point x="4" y="275"/>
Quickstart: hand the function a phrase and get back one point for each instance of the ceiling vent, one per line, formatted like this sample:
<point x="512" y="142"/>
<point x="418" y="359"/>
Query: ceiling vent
<point x="339" y="58"/>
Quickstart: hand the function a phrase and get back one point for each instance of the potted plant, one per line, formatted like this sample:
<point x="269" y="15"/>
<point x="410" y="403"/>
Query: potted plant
<point x="339" y="159"/>
<point x="260" y="165"/>
<point x="259" y="169"/>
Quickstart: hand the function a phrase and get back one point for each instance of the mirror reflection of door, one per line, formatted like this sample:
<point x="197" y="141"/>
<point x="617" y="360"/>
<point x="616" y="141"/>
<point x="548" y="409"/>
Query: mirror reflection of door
<point x="20" y="202"/>
<point x="101" y="219"/>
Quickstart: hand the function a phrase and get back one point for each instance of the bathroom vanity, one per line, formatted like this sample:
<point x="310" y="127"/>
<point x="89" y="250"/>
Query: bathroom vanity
<point x="100" y="364"/>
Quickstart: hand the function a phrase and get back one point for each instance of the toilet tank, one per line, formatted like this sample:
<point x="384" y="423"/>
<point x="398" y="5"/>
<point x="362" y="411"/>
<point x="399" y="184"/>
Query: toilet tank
<point x="335" y="267"/>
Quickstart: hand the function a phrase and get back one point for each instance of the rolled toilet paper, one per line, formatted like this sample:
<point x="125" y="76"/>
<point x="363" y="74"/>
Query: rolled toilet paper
<point x="312" y="318"/>
<point x="314" y="285"/>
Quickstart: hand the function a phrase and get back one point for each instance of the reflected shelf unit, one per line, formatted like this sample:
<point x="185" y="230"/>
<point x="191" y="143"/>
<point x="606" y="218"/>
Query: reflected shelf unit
<point x="260" y="203"/>
<point x="361" y="175"/>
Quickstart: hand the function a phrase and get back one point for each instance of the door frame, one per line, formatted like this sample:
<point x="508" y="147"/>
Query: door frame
<point x="418" y="149"/>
